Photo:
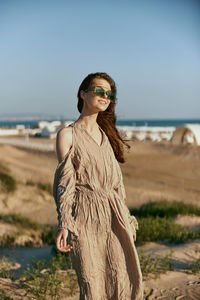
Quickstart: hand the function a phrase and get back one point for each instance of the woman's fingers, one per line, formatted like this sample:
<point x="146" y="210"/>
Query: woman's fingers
<point x="64" y="238"/>
<point x="66" y="249"/>
<point x="61" y="243"/>
<point x="58" y="241"/>
<point x="134" y="236"/>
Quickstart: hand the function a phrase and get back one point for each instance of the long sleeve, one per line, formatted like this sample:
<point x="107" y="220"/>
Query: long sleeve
<point x="132" y="219"/>
<point x="121" y="190"/>
<point x="64" y="192"/>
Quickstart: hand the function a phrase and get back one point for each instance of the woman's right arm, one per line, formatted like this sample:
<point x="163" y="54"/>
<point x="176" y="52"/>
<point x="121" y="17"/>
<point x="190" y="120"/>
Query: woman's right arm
<point x="63" y="145"/>
<point x="63" y="142"/>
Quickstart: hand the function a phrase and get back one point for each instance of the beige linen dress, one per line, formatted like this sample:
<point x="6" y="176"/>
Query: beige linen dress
<point x="90" y="197"/>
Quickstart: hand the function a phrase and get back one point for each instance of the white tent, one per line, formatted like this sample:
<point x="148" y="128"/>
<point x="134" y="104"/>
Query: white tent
<point x="187" y="134"/>
<point x="49" y="132"/>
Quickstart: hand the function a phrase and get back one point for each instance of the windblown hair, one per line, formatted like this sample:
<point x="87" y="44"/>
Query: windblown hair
<point x="106" y="119"/>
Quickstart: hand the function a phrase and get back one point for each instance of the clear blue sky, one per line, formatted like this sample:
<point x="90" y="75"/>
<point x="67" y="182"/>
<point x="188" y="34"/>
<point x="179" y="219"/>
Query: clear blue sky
<point x="151" y="48"/>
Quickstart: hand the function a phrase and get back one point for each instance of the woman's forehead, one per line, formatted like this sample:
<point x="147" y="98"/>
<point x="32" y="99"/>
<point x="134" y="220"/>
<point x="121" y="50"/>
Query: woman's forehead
<point x="101" y="83"/>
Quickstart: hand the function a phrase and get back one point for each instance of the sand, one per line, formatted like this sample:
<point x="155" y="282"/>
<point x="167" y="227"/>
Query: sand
<point x="153" y="172"/>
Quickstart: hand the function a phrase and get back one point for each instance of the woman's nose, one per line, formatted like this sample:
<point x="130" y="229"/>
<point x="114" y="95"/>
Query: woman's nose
<point x="105" y="96"/>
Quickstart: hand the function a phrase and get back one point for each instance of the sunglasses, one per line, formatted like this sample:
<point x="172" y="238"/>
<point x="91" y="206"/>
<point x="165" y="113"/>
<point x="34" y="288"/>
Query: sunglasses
<point x="101" y="93"/>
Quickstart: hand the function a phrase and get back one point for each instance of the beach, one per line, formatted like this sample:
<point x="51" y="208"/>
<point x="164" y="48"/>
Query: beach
<point x="153" y="172"/>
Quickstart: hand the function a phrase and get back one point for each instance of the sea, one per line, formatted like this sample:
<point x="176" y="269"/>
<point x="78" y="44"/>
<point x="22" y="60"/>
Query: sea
<point x="121" y="122"/>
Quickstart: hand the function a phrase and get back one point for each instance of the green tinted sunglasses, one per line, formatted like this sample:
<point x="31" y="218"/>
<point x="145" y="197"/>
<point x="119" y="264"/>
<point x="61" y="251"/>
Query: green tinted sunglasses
<point x="101" y="93"/>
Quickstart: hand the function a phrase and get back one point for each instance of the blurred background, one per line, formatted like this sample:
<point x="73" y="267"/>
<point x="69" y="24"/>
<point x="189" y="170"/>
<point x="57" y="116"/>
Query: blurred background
<point x="151" y="48"/>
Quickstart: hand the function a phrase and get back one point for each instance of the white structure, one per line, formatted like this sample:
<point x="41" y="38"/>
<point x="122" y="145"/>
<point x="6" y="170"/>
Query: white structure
<point x="8" y="131"/>
<point x="43" y="124"/>
<point x="49" y="129"/>
<point x="127" y="130"/>
<point x="49" y="132"/>
<point x="142" y="133"/>
<point x="187" y="134"/>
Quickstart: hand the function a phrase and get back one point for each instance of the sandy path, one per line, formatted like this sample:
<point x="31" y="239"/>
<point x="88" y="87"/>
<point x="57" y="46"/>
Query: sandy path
<point x="174" y="286"/>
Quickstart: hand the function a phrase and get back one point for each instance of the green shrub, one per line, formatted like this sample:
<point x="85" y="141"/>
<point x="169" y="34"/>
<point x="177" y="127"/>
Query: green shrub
<point x="22" y="221"/>
<point x="156" y="222"/>
<point x="44" y="279"/>
<point x="163" y="229"/>
<point x="3" y="295"/>
<point x="61" y="261"/>
<point x="48" y="235"/>
<point x="45" y="187"/>
<point x="7" y="241"/>
<point x="7" y="183"/>
<point x="195" y="267"/>
<point x="154" y="265"/>
<point x="165" y="209"/>
<point x="30" y="182"/>
<point x="6" y="269"/>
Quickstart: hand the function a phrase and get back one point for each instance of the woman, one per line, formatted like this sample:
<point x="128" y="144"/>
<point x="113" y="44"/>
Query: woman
<point x="94" y="222"/>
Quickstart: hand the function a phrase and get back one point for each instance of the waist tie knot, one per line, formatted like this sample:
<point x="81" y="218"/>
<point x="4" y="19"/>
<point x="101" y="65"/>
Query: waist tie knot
<point x="89" y="188"/>
<point x="115" y="202"/>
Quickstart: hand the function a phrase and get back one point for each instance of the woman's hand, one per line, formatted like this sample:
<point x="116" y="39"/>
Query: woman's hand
<point x="61" y="241"/>
<point x="134" y="235"/>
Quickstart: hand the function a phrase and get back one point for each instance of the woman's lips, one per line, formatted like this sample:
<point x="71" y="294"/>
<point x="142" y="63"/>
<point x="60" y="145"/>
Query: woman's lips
<point x="102" y="102"/>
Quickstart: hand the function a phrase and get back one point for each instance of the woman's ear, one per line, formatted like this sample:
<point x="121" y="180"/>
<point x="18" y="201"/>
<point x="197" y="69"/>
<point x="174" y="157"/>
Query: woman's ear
<point x="82" y="94"/>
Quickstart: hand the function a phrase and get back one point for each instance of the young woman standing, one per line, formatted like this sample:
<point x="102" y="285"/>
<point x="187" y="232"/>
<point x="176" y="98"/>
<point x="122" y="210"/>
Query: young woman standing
<point x="94" y="222"/>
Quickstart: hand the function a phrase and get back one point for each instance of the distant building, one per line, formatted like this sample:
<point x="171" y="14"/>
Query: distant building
<point x="20" y="128"/>
<point x="48" y="132"/>
<point x="187" y="134"/>
<point x="49" y="129"/>
<point x="147" y="133"/>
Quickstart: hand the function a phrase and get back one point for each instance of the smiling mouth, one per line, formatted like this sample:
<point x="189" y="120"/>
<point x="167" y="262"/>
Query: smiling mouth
<point x="102" y="102"/>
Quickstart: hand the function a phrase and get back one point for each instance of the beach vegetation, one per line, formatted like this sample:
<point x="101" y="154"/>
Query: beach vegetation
<point x="154" y="225"/>
<point x="45" y="187"/>
<point x="3" y="295"/>
<point x="163" y="229"/>
<point x="55" y="279"/>
<point x="7" y="183"/>
<point x="194" y="268"/>
<point x="30" y="182"/>
<point x="7" y="240"/>
<point x="32" y="233"/>
<point x="6" y="268"/>
<point x="165" y="208"/>
<point x="49" y="279"/>
<point x="19" y="220"/>
<point x="157" y="222"/>
<point x="48" y="235"/>
<point x="155" y="265"/>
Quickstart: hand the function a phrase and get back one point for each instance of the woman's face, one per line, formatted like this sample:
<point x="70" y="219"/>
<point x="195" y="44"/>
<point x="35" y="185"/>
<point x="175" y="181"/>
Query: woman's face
<point x="93" y="102"/>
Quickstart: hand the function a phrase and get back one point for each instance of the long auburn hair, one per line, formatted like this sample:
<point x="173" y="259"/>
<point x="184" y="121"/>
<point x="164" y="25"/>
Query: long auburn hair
<point x="106" y="119"/>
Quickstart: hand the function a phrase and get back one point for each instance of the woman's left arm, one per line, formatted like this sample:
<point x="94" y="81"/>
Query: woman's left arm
<point x="132" y="220"/>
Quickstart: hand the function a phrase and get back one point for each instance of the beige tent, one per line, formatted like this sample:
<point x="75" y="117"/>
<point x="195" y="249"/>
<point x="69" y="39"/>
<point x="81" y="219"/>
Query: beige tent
<point x="187" y="134"/>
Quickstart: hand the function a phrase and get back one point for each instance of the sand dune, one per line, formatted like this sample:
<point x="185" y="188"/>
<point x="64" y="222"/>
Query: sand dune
<point x="156" y="171"/>
<point x="153" y="172"/>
